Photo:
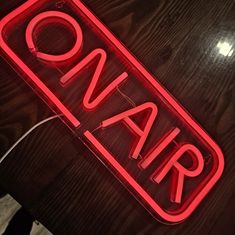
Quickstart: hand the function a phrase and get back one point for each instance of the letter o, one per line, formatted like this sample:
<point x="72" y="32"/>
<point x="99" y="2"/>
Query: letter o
<point x="32" y="26"/>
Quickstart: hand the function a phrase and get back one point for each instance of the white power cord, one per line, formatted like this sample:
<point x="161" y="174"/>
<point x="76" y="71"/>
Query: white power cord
<point x="26" y="134"/>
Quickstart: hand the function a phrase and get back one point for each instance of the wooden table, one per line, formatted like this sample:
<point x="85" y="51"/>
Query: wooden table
<point x="63" y="185"/>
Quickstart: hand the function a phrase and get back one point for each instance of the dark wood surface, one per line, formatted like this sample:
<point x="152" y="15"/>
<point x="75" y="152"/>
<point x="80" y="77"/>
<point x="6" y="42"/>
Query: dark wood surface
<point x="68" y="189"/>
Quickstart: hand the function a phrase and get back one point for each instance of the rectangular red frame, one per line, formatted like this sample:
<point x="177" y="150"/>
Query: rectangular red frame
<point x="121" y="173"/>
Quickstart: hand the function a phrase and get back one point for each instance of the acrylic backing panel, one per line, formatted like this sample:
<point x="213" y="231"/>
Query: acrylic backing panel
<point x="113" y="104"/>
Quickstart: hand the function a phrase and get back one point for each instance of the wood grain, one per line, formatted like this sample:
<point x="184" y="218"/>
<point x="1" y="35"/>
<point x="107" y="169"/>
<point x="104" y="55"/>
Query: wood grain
<point x="69" y="190"/>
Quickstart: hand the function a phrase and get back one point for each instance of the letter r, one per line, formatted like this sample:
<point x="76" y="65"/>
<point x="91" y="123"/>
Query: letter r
<point x="179" y="171"/>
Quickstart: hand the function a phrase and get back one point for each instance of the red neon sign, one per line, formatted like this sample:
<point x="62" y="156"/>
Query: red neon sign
<point x="115" y="106"/>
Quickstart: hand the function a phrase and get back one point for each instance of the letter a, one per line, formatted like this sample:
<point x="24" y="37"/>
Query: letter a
<point x="142" y="133"/>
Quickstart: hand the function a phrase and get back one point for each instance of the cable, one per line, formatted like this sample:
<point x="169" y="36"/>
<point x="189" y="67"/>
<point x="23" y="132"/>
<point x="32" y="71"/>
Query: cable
<point x="127" y="98"/>
<point x="26" y="134"/>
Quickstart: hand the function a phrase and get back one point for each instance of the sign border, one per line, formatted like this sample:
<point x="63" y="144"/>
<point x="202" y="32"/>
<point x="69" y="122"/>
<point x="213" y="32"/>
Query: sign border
<point x="218" y="155"/>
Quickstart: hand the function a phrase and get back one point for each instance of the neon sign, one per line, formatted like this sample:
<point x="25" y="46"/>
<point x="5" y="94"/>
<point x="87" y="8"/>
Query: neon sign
<point x="115" y="106"/>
